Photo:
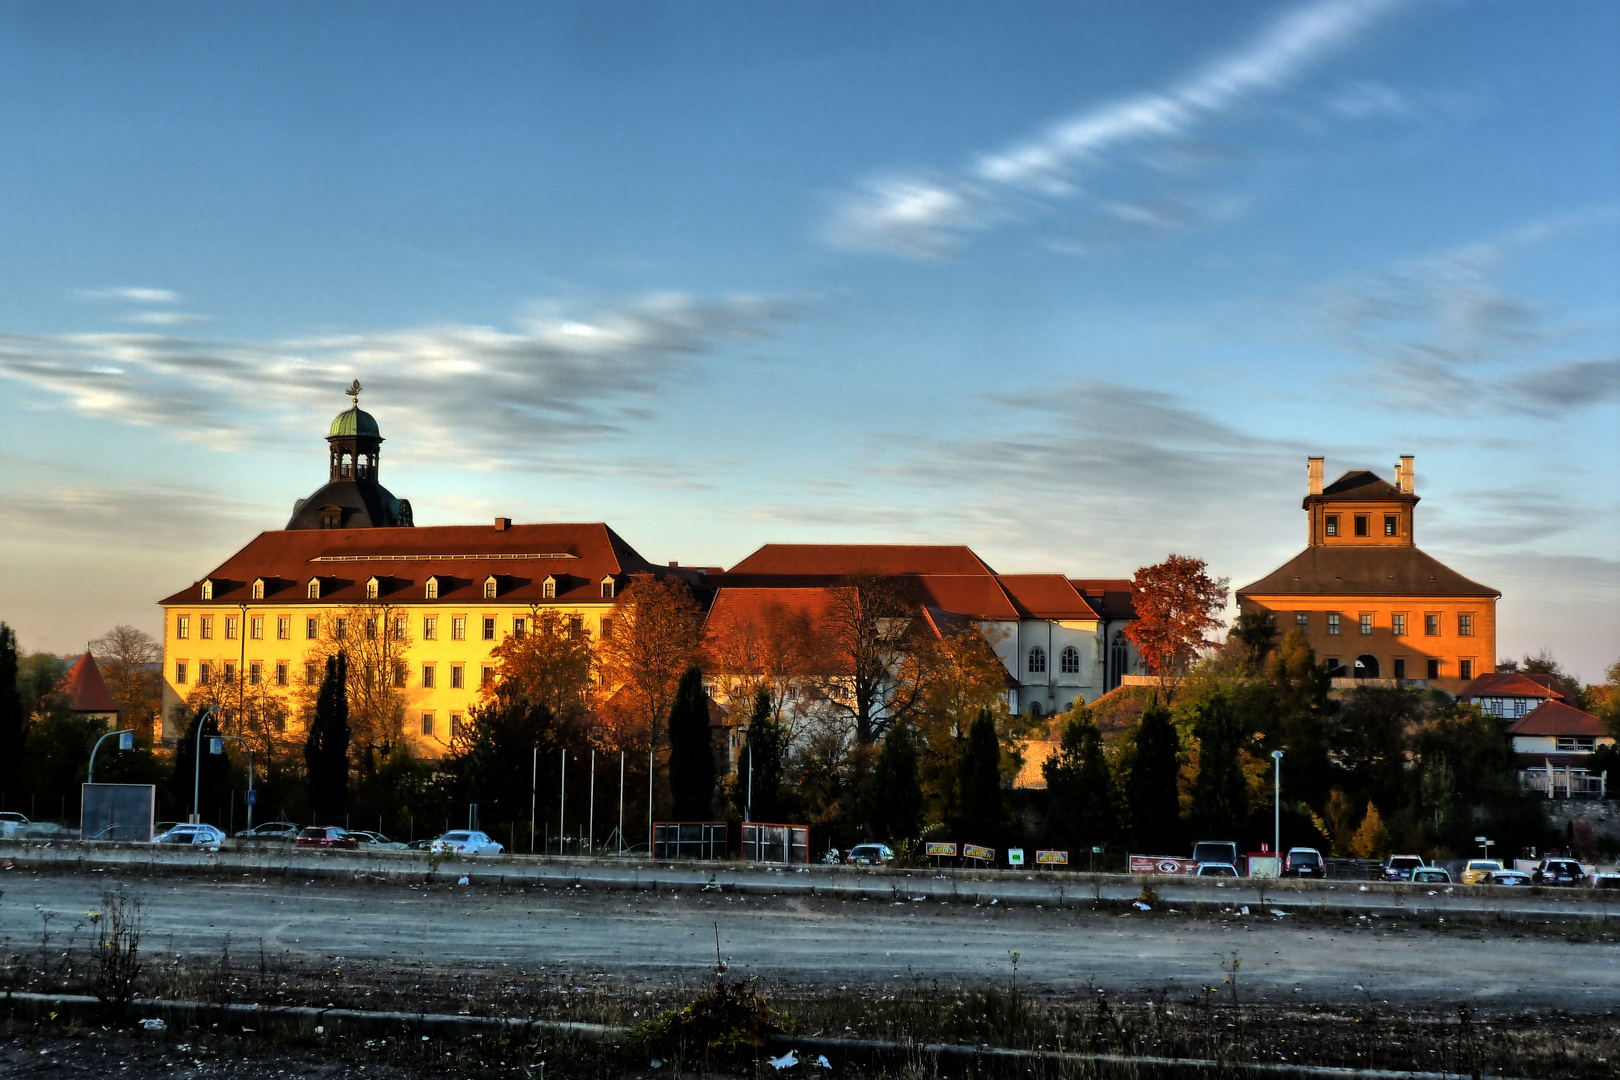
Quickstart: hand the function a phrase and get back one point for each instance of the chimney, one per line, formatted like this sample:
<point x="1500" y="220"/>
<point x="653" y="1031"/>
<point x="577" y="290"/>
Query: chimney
<point x="673" y="565"/>
<point x="1403" y="475"/>
<point x="502" y="524"/>
<point x="1313" y="467"/>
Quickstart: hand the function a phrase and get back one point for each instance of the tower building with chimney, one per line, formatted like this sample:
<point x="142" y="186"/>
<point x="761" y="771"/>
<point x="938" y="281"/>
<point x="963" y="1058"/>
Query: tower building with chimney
<point x="1373" y="604"/>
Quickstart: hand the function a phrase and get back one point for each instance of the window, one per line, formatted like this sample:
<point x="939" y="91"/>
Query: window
<point x="180" y="672"/>
<point x="427" y="676"/>
<point x="205" y="672"/>
<point x="1397" y="624"/>
<point x="312" y="628"/>
<point x="1361" y="524"/>
<point x="1332" y="665"/>
<point x="1392" y="525"/>
<point x="458" y="677"/>
<point x="401" y="627"/>
<point x="256" y="628"/>
<point x="427" y="724"/>
<point x="309" y="673"/>
<point x="1037" y="660"/>
<point x="1434" y="669"/>
<point x="182" y="626"/>
<point x="548" y="588"/>
<point x="1366" y="623"/>
<point x="1069" y="662"/>
<point x="1520" y="707"/>
<point x="458" y="628"/>
<point x="606" y="627"/>
<point x="576" y="624"/>
<point x="1431" y="626"/>
<point x="1399" y="666"/>
<point x="205" y="627"/>
<point x="371" y="629"/>
<point x="518" y="627"/>
<point x="432" y="588"/>
<point x="371" y="589"/>
<point x="230" y="628"/>
<point x="399" y="675"/>
<point x="314" y="592"/>
<point x="1576" y="744"/>
<point x="284" y="628"/>
<point x="1465" y="626"/>
<point x="486" y="676"/>
<point x="607" y="588"/>
<point x="340" y="628"/>
<point x="489" y="628"/>
<point x="1331" y="524"/>
<point x="229" y="671"/>
<point x="1465" y="669"/>
<point x="490" y="589"/>
<point x="281" y="673"/>
<point x="280" y="722"/>
<point x="208" y="590"/>
<point x="455" y="724"/>
<point x="1302" y="619"/>
<point x="258" y="589"/>
<point x="430" y="628"/>
<point x="255" y="673"/>
<point x="1333" y="622"/>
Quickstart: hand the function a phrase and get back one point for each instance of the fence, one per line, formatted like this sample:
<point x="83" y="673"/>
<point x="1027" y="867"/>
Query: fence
<point x="703" y="840"/>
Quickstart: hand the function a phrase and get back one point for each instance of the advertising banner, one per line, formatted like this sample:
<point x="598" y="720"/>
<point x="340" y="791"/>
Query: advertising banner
<point x="1051" y="858"/>
<point x="941" y="847"/>
<point x="974" y="851"/>
<point x="1265" y="865"/>
<point x="1161" y="864"/>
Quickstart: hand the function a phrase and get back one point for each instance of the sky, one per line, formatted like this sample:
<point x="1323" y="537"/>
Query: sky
<point x="1077" y="284"/>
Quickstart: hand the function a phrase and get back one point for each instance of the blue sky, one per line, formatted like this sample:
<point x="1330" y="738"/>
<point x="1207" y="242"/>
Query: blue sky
<point x="1076" y="284"/>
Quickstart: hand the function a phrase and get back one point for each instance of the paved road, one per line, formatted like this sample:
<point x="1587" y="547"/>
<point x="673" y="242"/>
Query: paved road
<point x="828" y="941"/>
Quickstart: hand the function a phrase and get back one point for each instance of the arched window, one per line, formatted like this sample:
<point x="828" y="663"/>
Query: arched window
<point x="314" y="588"/>
<point x="432" y="588"/>
<point x="371" y="589"/>
<point x="1037" y="660"/>
<point x="1119" y="659"/>
<point x="208" y="590"/>
<point x="258" y="589"/>
<point x="548" y="589"/>
<point x="1035" y="709"/>
<point x="490" y="588"/>
<point x="1069" y="661"/>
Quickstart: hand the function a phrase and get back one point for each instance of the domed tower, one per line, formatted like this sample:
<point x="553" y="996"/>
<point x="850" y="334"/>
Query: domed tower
<point x="352" y="497"/>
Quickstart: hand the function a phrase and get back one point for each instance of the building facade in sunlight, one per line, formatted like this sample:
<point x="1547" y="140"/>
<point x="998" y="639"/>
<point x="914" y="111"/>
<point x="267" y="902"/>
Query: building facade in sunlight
<point x="1373" y="604"/>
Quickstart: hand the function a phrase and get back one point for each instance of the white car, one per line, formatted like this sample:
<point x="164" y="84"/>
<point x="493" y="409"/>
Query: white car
<point x="1215" y="869"/>
<point x="466" y="842"/>
<point x="194" y="835"/>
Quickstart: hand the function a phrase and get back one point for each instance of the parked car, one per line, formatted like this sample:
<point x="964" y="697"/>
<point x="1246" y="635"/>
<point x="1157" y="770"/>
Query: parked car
<point x="368" y="838"/>
<point x="1303" y="862"/>
<point x="1555" y="871"/>
<point x="325" y="836"/>
<point x="14" y="817"/>
<point x="1400" y="867"/>
<point x="1477" y="870"/>
<point x="1506" y="877"/>
<point x="1215" y="851"/>
<point x="1215" y="869"/>
<point x="193" y="835"/>
<point x="11" y="824"/>
<point x="270" y="830"/>
<point x="1431" y="875"/>
<point x="466" y="842"/>
<point x="870" y="854"/>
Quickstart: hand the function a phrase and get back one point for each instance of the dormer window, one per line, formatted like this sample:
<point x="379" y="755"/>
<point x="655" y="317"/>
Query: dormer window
<point x="432" y="588"/>
<point x="492" y="587"/>
<point x="548" y="588"/>
<point x="331" y="517"/>
<point x="371" y="589"/>
<point x="208" y="590"/>
<point x="258" y="588"/>
<point x="607" y="588"/>
<point x="314" y="591"/>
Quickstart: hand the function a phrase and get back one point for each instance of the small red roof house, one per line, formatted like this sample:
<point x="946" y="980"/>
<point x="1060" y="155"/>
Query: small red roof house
<point x="1553" y="744"/>
<point x="85" y="692"/>
<point x="1513" y="693"/>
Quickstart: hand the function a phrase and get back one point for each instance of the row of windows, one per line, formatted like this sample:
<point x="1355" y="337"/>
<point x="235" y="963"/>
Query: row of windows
<point x="340" y="627"/>
<point x="256" y="674"/>
<point x="430" y="727"/>
<point x="312" y="590"/>
<point x="1362" y="524"/>
<point x="1433" y="667"/>
<point x="1068" y="661"/>
<point x="1397" y="623"/>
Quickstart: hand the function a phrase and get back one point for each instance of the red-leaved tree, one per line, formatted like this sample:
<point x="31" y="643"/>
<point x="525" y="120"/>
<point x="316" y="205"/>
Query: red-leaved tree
<point x="1176" y="603"/>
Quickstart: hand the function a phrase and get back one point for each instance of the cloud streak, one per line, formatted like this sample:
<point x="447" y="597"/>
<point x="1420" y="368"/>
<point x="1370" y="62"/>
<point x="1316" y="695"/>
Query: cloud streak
<point x="927" y="216"/>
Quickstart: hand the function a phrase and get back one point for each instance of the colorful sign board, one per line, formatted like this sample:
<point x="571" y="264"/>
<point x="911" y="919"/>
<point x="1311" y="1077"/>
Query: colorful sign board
<point x="1051" y="858"/>
<point x="1015" y="856"/>
<point x="941" y="847"/>
<point x="974" y="851"/>
<point x="1162" y="864"/>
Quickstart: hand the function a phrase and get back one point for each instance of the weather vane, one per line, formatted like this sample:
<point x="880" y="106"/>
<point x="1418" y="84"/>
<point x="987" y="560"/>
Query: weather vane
<point x="354" y="392"/>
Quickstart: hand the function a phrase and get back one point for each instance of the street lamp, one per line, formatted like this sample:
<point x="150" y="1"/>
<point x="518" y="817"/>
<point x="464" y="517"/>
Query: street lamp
<point x="126" y="742"/>
<point x="196" y="771"/>
<point x="219" y="741"/>
<point x="1276" y="811"/>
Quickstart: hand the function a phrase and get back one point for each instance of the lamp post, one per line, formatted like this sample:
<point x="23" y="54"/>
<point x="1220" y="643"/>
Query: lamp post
<point x="249" y="749"/>
<point x="196" y="771"/>
<point x="1276" y="811"/>
<point x="125" y="743"/>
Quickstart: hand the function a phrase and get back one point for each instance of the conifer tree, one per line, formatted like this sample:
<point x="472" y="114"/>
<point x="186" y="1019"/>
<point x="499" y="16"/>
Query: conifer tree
<point x="1221" y="793"/>
<point x="896" y="792"/>
<point x="326" y="751"/>
<point x="1080" y="804"/>
<point x="11" y="719"/>
<point x="982" y="805"/>
<point x="760" y="762"/>
<point x="1154" y="803"/>
<point x="691" y="758"/>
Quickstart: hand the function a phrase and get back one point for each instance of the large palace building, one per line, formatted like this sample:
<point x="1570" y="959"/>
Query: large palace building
<point x="1373" y="604"/>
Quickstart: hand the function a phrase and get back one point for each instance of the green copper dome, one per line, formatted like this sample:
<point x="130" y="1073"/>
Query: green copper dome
<point x="355" y="421"/>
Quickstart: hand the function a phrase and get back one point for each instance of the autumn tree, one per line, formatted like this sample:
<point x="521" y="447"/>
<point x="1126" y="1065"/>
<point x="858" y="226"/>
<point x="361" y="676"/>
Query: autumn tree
<point x="1372" y="840"/>
<point x="129" y="659"/>
<point x="691" y="751"/>
<point x="966" y="677"/>
<point x="1176" y="604"/>
<point x="774" y="648"/>
<point x="375" y="640"/>
<point x="326" y="750"/>
<point x="1080" y="791"/>
<point x="877" y="654"/>
<point x="549" y="664"/>
<point x="1151" y="794"/>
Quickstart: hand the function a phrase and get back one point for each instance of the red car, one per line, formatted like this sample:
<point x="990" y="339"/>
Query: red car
<point x="325" y="836"/>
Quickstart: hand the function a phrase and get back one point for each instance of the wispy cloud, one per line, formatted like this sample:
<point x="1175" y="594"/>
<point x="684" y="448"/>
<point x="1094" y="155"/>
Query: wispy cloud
<point x="470" y="394"/>
<point x="927" y="215"/>
<point x="167" y="318"/>
<point x="134" y="294"/>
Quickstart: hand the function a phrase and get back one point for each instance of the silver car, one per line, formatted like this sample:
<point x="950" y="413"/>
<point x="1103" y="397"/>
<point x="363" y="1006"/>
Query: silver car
<point x="466" y="842"/>
<point x="192" y="835"/>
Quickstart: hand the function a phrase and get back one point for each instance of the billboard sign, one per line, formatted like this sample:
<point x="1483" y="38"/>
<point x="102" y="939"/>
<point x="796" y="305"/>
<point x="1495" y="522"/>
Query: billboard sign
<point x="942" y="847"/>
<point x="1162" y="864"/>
<point x="1015" y="856"/>
<point x="1051" y="858"/>
<point x="974" y="851"/>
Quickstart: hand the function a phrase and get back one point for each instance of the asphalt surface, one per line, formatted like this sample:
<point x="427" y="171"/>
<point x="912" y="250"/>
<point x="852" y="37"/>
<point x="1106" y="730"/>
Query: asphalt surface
<point x="828" y="941"/>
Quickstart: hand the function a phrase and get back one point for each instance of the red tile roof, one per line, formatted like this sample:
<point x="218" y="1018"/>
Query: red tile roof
<point x="734" y="607"/>
<point x="1046" y="596"/>
<point x="1510" y="684"/>
<point x="521" y="557"/>
<point x="837" y="560"/>
<point x="1365" y="571"/>
<point x="1556" y="718"/>
<point x="83" y="688"/>
<point x="1110" y="597"/>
